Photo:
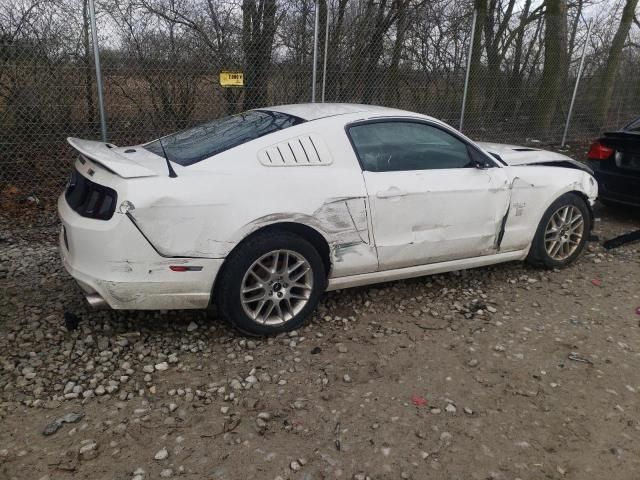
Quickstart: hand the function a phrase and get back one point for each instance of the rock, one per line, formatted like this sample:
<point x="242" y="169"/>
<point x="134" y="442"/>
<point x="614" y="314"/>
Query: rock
<point x="341" y="348"/>
<point x="161" y="454"/>
<point x="295" y="466"/>
<point x="192" y="327"/>
<point x="162" y="366"/>
<point x="89" y="450"/>
<point x="347" y="378"/>
<point x="103" y="343"/>
<point x="139" y="474"/>
<point x="166" y="473"/>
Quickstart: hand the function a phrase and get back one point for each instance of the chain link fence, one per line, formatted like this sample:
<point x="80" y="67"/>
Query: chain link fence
<point x="161" y="61"/>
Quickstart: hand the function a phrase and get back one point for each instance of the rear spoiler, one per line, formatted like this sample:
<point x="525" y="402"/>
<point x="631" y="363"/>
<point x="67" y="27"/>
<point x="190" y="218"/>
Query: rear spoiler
<point x="105" y="155"/>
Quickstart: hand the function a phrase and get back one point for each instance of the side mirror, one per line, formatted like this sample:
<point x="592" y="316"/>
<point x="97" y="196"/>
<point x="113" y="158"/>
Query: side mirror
<point x="478" y="160"/>
<point x="480" y="164"/>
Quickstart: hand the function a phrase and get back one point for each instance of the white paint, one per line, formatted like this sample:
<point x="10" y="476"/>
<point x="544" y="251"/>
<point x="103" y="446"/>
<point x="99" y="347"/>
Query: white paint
<point x="137" y="163"/>
<point x="421" y="270"/>
<point x="418" y="219"/>
<point x="379" y="226"/>
<point x="516" y="155"/>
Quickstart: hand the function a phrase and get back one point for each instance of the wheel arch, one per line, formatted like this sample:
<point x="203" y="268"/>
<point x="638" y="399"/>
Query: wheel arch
<point x="310" y="234"/>
<point x="585" y="198"/>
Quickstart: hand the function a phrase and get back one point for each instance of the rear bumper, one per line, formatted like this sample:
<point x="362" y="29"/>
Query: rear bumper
<point x="617" y="187"/>
<point x="116" y="266"/>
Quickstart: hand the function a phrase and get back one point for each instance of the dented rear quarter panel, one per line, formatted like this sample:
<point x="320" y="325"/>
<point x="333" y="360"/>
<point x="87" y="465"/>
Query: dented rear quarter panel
<point x="212" y="206"/>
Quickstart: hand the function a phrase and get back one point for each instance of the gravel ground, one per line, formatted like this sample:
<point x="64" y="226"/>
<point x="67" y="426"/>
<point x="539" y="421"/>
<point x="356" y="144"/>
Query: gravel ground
<point x="505" y="372"/>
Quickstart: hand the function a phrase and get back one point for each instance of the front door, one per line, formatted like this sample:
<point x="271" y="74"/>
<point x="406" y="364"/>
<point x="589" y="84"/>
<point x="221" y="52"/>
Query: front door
<point x="429" y="200"/>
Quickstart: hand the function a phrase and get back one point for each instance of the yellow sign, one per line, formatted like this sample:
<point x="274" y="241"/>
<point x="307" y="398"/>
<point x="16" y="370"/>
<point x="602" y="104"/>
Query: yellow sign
<point x="231" y="79"/>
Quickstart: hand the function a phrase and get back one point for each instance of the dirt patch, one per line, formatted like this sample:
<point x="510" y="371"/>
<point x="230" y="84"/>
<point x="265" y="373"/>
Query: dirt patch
<point x="504" y="372"/>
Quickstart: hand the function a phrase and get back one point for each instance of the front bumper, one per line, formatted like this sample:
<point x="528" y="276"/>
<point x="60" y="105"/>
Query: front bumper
<point x="115" y="265"/>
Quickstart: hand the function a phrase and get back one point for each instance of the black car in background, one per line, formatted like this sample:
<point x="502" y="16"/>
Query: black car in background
<point x="615" y="160"/>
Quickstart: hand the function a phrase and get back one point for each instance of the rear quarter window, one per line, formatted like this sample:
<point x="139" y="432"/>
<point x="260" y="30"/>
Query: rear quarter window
<point x="198" y="143"/>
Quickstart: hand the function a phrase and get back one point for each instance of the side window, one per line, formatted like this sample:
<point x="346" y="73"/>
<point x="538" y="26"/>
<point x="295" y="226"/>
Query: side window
<point x="398" y="146"/>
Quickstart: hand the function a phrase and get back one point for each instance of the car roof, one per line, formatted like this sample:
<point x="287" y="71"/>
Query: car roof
<point x="315" y="111"/>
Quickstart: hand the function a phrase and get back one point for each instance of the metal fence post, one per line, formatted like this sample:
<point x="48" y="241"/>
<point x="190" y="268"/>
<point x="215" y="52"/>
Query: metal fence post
<point x="466" y="77"/>
<point x="575" y="88"/>
<point x="96" y="56"/>
<point x="315" y="54"/>
<point x="326" y="48"/>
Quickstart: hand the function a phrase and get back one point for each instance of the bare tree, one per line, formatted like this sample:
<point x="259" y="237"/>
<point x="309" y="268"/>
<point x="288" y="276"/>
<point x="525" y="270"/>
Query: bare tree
<point x="555" y="61"/>
<point x="87" y="61"/>
<point x="613" y="60"/>
<point x="259" y="21"/>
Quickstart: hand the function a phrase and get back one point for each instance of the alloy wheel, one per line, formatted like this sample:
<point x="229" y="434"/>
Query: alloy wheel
<point x="276" y="287"/>
<point x="564" y="232"/>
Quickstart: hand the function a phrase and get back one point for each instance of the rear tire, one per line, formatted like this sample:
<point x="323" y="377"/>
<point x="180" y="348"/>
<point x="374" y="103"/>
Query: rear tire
<point x="271" y="283"/>
<point x="562" y="233"/>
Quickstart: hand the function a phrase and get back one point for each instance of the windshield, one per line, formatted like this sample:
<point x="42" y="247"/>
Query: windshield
<point x="195" y="144"/>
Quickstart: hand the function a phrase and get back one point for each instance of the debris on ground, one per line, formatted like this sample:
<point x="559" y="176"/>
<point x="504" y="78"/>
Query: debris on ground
<point x="418" y="401"/>
<point x="57" y="424"/>
<point x="622" y="240"/>
<point x="71" y="321"/>
<point x="577" y="358"/>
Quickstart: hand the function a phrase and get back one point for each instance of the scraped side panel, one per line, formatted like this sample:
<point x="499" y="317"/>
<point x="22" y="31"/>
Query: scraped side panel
<point x="210" y="214"/>
<point x="430" y="216"/>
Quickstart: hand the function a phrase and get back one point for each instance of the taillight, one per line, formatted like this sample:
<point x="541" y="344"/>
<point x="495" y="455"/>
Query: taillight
<point x="599" y="151"/>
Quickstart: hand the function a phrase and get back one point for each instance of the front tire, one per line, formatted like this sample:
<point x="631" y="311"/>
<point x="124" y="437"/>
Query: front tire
<point x="562" y="233"/>
<point x="271" y="283"/>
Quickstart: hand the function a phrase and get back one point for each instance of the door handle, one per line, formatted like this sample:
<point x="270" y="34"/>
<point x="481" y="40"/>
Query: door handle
<point x="391" y="193"/>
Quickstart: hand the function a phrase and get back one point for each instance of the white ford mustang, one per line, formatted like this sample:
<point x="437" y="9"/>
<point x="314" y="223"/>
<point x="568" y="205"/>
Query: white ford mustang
<point x="263" y="211"/>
